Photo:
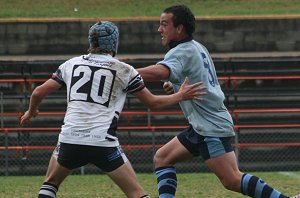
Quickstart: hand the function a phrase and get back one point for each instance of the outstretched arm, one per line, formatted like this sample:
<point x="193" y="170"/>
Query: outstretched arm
<point x="186" y="92"/>
<point x="36" y="98"/>
<point x="154" y="73"/>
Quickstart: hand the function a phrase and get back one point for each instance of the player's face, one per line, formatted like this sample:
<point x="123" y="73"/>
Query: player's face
<point x="166" y="29"/>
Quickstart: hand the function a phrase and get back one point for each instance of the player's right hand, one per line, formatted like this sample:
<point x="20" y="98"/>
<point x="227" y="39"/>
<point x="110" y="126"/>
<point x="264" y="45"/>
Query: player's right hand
<point x="25" y="118"/>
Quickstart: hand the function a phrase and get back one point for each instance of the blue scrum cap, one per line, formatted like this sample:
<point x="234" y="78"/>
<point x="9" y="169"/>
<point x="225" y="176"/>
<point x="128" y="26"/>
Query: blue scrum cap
<point x="104" y="35"/>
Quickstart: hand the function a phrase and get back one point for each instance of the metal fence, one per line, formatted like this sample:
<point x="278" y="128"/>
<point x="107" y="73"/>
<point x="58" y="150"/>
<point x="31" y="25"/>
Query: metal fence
<point x="264" y="105"/>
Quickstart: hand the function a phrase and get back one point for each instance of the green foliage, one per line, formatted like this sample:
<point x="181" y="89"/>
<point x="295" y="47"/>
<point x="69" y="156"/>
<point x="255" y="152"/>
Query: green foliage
<point x="134" y="8"/>
<point x="100" y="186"/>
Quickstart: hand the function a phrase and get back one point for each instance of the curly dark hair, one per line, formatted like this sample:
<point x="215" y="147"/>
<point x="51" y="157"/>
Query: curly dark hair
<point x="182" y="15"/>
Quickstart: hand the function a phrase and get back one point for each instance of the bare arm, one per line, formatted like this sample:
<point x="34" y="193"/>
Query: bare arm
<point x="186" y="92"/>
<point x="36" y="98"/>
<point x="154" y="73"/>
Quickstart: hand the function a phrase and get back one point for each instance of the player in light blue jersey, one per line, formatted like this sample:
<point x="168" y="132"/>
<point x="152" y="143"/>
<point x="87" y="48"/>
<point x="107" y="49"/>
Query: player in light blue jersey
<point x="210" y="125"/>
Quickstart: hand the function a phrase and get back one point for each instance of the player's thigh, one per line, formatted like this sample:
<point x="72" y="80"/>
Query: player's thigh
<point x="226" y="169"/>
<point x="171" y="153"/>
<point x="125" y="178"/>
<point x="56" y="173"/>
<point x="223" y="162"/>
<point x="220" y="158"/>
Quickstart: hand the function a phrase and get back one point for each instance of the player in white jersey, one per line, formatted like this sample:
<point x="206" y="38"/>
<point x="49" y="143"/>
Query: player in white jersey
<point x="97" y="85"/>
<point x="211" y="126"/>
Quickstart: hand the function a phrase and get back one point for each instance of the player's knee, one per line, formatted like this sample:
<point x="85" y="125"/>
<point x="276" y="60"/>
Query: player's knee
<point x="155" y="159"/>
<point x="158" y="159"/>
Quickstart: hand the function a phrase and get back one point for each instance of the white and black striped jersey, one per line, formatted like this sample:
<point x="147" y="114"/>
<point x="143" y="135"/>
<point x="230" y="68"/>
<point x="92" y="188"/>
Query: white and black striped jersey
<point x="97" y="86"/>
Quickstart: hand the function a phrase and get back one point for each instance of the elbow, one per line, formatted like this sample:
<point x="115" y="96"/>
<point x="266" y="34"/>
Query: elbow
<point x="37" y="92"/>
<point x="160" y="76"/>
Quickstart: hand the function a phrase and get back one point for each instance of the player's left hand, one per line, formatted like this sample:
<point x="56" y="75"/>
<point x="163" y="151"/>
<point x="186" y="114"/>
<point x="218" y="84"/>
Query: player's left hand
<point x="25" y="119"/>
<point x="193" y="91"/>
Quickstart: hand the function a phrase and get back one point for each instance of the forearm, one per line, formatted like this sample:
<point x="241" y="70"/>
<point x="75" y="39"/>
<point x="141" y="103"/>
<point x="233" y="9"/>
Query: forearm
<point x="35" y="101"/>
<point x="36" y="98"/>
<point x="162" y="101"/>
<point x="40" y="92"/>
<point x="154" y="73"/>
<point x="186" y="92"/>
<point x="158" y="101"/>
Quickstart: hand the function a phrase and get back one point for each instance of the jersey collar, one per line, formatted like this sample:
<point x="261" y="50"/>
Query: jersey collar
<point x="173" y="43"/>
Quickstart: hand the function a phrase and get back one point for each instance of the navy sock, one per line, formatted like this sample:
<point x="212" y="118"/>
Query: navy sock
<point x="48" y="190"/>
<point x="257" y="188"/>
<point x="166" y="181"/>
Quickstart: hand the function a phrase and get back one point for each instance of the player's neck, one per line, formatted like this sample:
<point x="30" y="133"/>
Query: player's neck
<point x="174" y="43"/>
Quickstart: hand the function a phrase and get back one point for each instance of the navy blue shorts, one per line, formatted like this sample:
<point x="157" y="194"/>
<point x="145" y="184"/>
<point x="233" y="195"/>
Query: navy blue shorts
<point x="207" y="147"/>
<point x="73" y="156"/>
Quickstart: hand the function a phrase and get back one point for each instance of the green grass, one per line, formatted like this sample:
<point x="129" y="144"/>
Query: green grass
<point x="189" y="185"/>
<point x="192" y="185"/>
<point x="133" y="8"/>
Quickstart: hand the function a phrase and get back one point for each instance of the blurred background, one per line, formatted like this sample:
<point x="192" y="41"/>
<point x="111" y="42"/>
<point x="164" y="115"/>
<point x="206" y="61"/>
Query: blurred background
<point x="255" y="46"/>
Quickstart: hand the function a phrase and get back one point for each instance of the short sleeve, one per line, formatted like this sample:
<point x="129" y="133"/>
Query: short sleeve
<point x="57" y="75"/>
<point x="136" y="82"/>
<point x="172" y="62"/>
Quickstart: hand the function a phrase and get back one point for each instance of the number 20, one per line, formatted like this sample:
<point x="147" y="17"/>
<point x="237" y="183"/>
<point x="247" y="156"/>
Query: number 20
<point x="91" y="84"/>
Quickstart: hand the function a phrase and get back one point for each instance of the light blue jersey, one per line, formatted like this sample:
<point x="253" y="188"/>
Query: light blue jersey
<point x="209" y="117"/>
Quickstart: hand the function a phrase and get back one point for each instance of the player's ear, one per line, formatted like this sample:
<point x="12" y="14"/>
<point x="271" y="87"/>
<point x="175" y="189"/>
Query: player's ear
<point x="179" y="28"/>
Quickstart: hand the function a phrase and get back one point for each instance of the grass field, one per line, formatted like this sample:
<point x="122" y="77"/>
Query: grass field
<point x="193" y="185"/>
<point x="133" y="8"/>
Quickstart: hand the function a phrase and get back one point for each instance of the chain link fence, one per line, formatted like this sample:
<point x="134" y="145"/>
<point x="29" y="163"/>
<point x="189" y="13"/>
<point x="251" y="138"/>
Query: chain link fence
<point x="266" y="119"/>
